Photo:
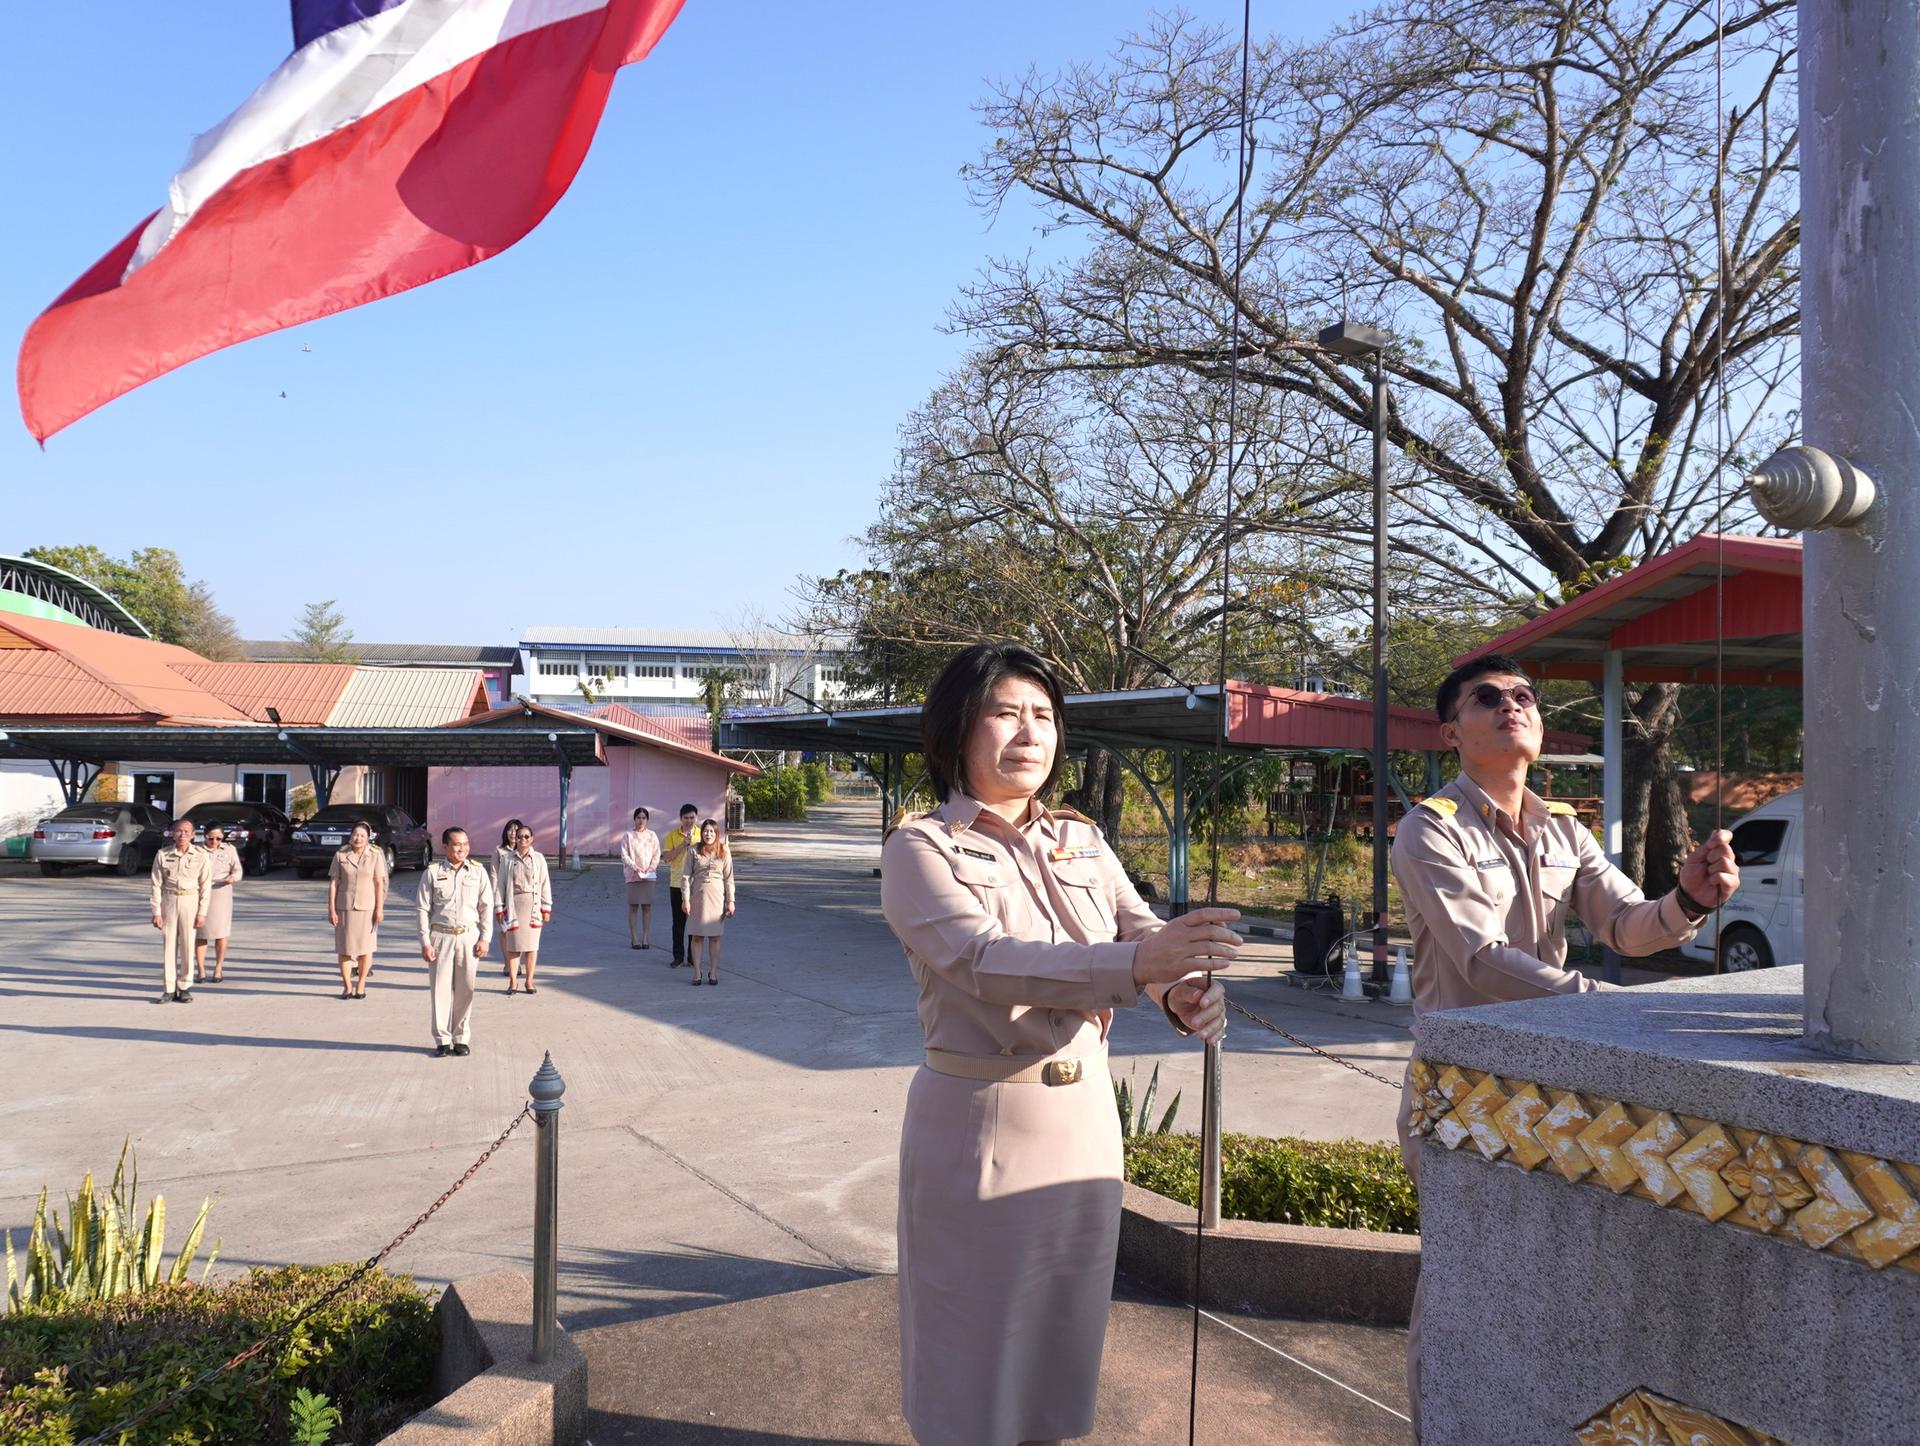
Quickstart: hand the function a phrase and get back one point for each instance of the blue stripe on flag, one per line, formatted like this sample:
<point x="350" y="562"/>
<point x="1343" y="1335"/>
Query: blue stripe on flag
<point x="315" y="18"/>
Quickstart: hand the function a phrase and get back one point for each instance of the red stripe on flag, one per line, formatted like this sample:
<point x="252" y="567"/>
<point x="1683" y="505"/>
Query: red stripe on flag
<point x="444" y="177"/>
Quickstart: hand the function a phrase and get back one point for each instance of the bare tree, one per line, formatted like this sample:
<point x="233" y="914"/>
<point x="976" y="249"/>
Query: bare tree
<point x="1521" y="191"/>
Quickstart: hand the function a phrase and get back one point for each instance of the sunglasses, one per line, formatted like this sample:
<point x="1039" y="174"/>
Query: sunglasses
<point x="1488" y="696"/>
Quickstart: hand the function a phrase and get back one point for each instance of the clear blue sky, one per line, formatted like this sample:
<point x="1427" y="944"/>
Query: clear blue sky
<point x="695" y="368"/>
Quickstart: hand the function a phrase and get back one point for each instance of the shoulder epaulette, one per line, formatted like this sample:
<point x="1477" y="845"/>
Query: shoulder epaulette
<point x="1073" y="815"/>
<point x="903" y="821"/>
<point x="1566" y="809"/>
<point x="1445" y="807"/>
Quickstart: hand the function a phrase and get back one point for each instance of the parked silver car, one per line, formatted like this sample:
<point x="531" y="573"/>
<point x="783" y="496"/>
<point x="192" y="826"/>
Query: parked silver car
<point x="120" y="836"/>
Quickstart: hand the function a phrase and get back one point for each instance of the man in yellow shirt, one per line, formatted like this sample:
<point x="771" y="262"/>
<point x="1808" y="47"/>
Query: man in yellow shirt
<point x="677" y="852"/>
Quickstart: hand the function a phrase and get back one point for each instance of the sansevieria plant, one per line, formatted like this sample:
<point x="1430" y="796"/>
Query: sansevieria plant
<point x="100" y="1253"/>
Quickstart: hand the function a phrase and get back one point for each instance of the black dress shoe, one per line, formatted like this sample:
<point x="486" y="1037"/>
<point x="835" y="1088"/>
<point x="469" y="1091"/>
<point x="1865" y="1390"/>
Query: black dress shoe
<point x="183" y="996"/>
<point x="441" y="1051"/>
<point x="462" y="1050"/>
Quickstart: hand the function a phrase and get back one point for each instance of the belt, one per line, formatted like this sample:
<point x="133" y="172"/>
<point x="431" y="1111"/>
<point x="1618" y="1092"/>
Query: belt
<point x="450" y="929"/>
<point x="180" y="892"/>
<point x="1057" y="1069"/>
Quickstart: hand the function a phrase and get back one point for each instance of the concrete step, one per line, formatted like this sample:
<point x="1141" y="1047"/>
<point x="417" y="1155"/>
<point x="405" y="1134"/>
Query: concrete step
<point x="822" y="1365"/>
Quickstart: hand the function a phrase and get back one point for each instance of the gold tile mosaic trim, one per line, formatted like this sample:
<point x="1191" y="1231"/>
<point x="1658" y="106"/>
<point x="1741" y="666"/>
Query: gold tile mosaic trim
<point x="1644" y="1419"/>
<point x="1864" y="1208"/>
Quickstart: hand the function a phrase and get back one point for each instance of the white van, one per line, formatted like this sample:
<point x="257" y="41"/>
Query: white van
<point x="1764" y="923"/>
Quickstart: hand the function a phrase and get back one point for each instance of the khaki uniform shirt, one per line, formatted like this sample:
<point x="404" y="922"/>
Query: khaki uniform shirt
<point x="353" y="881"/>
<point x="177" y="874"/>
<point x="1487" y="899"/>
<point x="224" y="868"/>
<point x="455" y="901"/>
<point x="1021" y="939"/>
<point x="523" y="875"/>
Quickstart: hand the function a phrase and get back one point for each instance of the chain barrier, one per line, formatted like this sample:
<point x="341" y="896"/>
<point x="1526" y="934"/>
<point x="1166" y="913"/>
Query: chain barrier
<point x="116" y="1432"/>
<point x="1241" y="1009"/>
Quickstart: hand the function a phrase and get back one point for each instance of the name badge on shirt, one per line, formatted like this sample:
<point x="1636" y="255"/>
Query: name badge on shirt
<point x="1558" y="861"/>
<point x="1064" y="855"/>
<point x="1485" y="864"/>
<point x="976" y="854"/>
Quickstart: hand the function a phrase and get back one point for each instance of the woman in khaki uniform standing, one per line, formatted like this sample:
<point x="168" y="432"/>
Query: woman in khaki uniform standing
<point x="524" y="894"/>
<point x="709" y="899"/>
<point x="226" y="870"/>
<point x="1024" y="936"/>
<point x="356" y="905"/>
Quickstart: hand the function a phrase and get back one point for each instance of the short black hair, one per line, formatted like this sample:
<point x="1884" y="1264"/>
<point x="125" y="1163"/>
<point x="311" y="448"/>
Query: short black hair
<point x="642" y="813"/>
<point x="508" y="830"/>
<point x="954" y="702"/>
<point x="365" y="823"/>
<point x="1447" y="695"/>
<point x="689" y="808"/>
<point x="446" y="834"/>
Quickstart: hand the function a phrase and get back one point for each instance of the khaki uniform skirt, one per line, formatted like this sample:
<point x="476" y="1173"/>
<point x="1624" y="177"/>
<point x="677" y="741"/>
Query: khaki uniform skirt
<point x="639" y="891"/>
<point x="709" y="893"/>
<point x="226" y="869"/>
<point x="1009" y="1205"/>
<point x="353" y="887"/>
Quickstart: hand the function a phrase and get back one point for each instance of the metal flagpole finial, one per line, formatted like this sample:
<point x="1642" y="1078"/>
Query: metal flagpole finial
<point x="547" y="1086"/>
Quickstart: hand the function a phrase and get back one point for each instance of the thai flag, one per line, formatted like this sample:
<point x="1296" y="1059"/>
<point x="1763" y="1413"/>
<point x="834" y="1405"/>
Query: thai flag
<point x="402" y="140"/>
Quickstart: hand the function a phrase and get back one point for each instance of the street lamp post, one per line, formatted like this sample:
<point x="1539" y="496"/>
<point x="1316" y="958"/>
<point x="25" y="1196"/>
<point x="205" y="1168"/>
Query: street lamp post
<point x="1354" y="339"/>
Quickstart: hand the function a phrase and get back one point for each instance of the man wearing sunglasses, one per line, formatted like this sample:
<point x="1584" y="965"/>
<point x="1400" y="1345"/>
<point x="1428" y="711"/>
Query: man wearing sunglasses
<point x="1489" y="872"/>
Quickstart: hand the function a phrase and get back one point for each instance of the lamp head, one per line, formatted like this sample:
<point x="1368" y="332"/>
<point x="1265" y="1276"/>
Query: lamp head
<point x="1354" y="338"/>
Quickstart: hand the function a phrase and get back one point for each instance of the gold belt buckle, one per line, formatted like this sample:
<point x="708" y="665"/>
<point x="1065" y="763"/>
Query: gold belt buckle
<point x="1060" y="1072"/>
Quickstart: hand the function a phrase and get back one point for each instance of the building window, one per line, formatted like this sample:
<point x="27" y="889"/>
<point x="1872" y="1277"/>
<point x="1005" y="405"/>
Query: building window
<point x="831" y="675"/>
<point x="552" y="668"/>
<point x="653" y="670"/>
<point x="267" y="788"/>
<point x="612" y="670"/>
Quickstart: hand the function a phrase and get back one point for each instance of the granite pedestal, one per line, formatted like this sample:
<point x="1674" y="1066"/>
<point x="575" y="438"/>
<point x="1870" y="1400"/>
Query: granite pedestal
<point x="1655" y="1202"/>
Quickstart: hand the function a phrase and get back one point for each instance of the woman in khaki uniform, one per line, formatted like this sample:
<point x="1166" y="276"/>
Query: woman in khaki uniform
<point x="709" y="899"/>
<point x="356" y="904"/>
<point x="1024" y="936"/>
<point x="524" y="894"/>
<point x="226" y="870"/>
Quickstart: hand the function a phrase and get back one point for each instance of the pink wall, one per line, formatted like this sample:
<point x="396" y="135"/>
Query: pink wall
<point x="481" y="800"/>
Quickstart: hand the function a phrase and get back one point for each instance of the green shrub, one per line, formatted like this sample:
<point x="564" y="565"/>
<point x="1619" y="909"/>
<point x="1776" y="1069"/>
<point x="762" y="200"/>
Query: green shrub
<point x="72" y="1368"/>
<point x="1346" y="1184"/>
<point x="818" y="782"/>
<point x="781" y="794"/>
<point x="1135" y="1120"/>
<point x="106" y="1249"/>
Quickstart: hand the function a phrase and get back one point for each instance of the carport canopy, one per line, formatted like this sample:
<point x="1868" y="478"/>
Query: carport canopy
<point x="78" y="751"/>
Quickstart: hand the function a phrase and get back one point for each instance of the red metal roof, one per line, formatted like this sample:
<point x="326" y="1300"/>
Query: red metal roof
<point x="1267" y="717"/>
<point x="694" y="732"/>
<point x="303" y="694"/>
<point x="141" y="677"/>
<point x="609" y="728"/>
<point x="1663" y="618"/>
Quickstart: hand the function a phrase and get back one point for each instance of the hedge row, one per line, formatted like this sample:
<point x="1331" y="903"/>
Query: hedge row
<point x="69" y="1370"/>
<point x="1346" y="1184"/>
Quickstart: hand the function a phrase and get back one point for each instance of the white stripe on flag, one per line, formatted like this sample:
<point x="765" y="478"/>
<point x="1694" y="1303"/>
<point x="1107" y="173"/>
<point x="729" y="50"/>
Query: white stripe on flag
<point x="336" y="80"/>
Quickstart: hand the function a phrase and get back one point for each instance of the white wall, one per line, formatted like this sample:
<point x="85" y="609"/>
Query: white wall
<point x="28" y="793"/>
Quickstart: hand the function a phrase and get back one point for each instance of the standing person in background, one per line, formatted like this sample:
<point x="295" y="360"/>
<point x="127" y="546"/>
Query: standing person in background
<point x="523" y="903"/>
<point x="224" y="871"/>
<point x="356" y="906"/>
<point x="181" y="886"/>
<point x="455" y="908"/>
<point x="709" y="899"/>
<point x="678" y="854"/>
<point x="640" y="866"/>
<point x="496" y="875"/>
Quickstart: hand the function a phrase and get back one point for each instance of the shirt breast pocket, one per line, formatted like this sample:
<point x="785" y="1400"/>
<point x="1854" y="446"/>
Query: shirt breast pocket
<point x="996" y="885"/>
<point x="1556" y="884"/>
<point x="1087" y="893"/>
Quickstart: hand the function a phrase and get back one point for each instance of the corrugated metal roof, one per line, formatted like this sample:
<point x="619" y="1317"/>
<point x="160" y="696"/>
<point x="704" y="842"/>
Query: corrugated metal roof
<point x="409" y="698"/>
<point x="35" y="683"/>
<point x="301" y="693"/>
<point x="526" y="707"/>
<point x="707" y="639"/>
<point x="691" y="729"/>
<point x="140" y="672"/>
<point x="445" y="655"/>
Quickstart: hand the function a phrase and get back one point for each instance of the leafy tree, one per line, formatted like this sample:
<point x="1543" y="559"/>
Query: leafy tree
<point x="151" y="584"/>
<point x="1521" y="192"/>
<point x="322" y="635"/>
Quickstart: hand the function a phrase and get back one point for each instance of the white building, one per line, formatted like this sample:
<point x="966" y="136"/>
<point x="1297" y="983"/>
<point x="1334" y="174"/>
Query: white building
<point x="642" y="666"/>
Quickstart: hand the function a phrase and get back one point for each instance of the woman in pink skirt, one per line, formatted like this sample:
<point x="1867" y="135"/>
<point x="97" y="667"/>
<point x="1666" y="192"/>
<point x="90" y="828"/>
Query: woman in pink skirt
<point x="639" y="868"/>
<point x="1024" y="936"/>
